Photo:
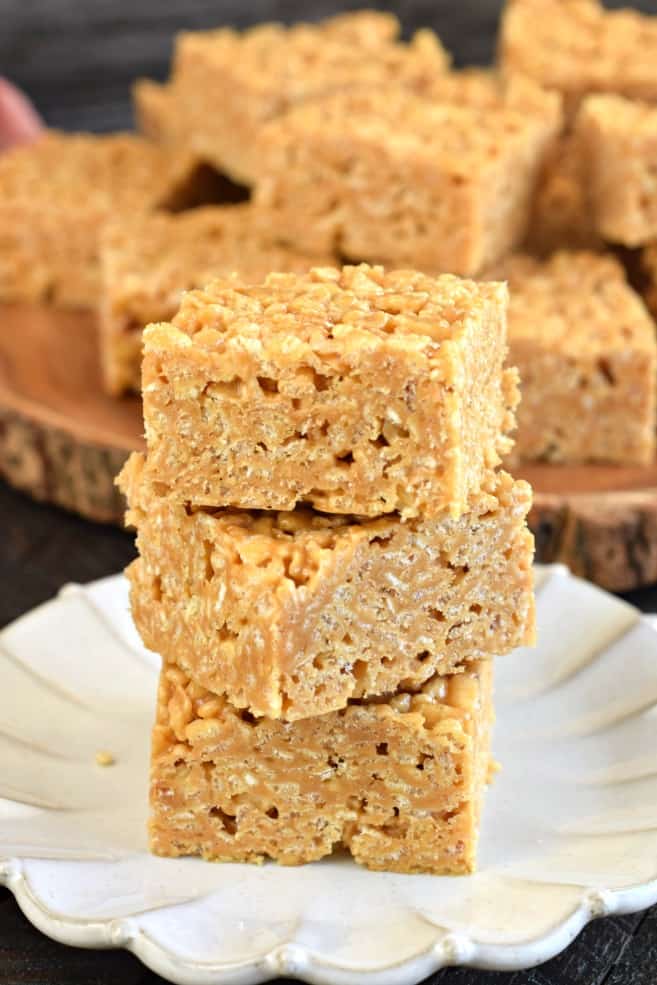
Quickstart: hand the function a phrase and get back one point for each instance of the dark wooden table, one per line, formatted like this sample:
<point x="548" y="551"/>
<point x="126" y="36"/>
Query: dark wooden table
<point x="77" y="60"/>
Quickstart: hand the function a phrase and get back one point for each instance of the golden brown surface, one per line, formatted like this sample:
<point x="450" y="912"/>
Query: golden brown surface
<point x="155" y="113"/>
<point x="562" y="211"/>
<point x="293" y="614"/>
<point x="269" y="68"/>
<point x="397" y="781"/>
<point x="149" y="260"/>
<point x="354" y="390"/>
<point x="619" y="144"/>
<point x="585" y="348"/>
<point x="578" y="47"/>
<point x="381" y="174"/>
<point x="55" y="196"/>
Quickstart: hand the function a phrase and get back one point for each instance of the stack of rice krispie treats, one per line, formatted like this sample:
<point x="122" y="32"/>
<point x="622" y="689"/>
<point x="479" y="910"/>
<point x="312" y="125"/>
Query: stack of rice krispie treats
<point x="330" y="559"/>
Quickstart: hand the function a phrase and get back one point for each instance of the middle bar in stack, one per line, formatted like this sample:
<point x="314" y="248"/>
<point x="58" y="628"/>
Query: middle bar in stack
<point x="382" y="400"/>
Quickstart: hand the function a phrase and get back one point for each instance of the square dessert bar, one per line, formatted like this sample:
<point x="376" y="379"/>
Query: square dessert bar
<point x="619" y="148"/>
<point x="585" y="348"/>
<point x="57" y="193"/>
<point x="578" y="47"/>
<point x="149" y="260"/>
<point x="156" y="115"/>
<point x="381" y="174"/>
<point x="294" y="614"/>
<point x="354" y="390"/>
<point x="398" y="781"/>
<point x="269" y="68"/>
<point x="562" y="212"/>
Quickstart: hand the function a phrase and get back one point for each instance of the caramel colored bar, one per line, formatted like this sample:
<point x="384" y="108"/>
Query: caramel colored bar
<point x="585" y="348"/>
<point x="270" y="68"/>
<point x="398" y="782"/>
<point x="562" y="211"/>
<point x="578" y="47"/>
<point x="57" y="194"/>
<point x="156" y="114"/>
<point x="293" y="614"/>
<point x="354" y="390"/>
<point x="148" y="261"/>
<point x="619" y="144"/>
<point x="383" y="175"/>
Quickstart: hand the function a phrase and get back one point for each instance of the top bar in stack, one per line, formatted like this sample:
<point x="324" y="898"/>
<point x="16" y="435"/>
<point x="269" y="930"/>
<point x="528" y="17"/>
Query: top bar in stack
<point x="356" y="391"/>
<point x="149" y="260"/>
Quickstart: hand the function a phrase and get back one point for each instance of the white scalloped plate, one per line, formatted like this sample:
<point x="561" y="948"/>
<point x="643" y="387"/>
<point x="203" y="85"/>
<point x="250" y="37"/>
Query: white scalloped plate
<point x="570" y="825"/>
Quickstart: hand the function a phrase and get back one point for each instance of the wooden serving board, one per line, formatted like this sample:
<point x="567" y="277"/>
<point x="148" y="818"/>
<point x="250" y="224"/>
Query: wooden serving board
<point x="63" y="440"/>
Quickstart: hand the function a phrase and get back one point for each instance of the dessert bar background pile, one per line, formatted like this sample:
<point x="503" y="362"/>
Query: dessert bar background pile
<point x="330" y="558"/>
<point x="341" y="141"/>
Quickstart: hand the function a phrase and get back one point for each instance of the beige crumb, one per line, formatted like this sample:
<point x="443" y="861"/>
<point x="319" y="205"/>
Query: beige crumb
<point x="494" y="767"/>
<point x="104" y="758"/>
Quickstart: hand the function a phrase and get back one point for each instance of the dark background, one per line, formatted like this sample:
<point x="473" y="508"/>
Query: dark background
<point x="76" y="59"/>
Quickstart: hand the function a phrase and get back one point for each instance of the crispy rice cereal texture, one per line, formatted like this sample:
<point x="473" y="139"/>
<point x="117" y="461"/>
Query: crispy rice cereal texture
<point x="397" y="781"/>
<point x="270" y="68"/>
<point x="441" y="184"/>
<point x="354" y="390"/>
<point x="619" y="141"/>
<point x="57" y="193"/>
<point x="149" y="260"/>
<point x="293" y="614"/>
<point x="585" y="348"/>
<point x="578" y="47"/>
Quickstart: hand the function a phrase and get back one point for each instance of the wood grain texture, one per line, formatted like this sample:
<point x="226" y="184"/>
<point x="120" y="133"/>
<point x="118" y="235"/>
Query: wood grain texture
<point x="61" y="438"/>
<point x="77" y="60"/>
<point x="599" y="521"/>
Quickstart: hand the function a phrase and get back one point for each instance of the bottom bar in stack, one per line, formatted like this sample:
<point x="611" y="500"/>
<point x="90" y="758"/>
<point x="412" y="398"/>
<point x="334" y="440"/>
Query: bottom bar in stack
<point x="398" y="781"/>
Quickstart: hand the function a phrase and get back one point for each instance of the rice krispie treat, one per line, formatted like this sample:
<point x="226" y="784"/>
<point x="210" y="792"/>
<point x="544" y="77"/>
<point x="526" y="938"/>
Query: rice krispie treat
<point x="293" y="614"/>
<point x="383" y="175"/>
<point x="57" y="193"/>
<point x="562" y="216"/>
<point x="354" y="390"/>
<point x="156" y="114"/>
<point x="578" y="47"/>
<point x="149" y="260"/>
<point x="585" y="348"/>
<point x="619" y="144"/>
<point x="269" y="68"/>
<point x="398" y="781"/>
